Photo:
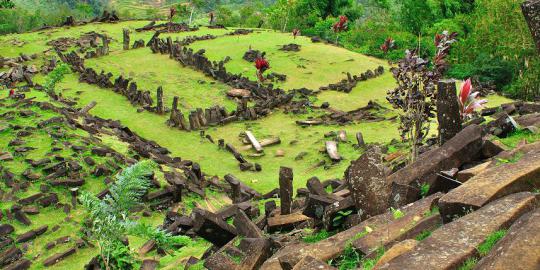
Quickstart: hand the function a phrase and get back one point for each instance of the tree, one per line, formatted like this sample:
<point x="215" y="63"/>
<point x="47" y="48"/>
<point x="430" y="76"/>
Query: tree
<point x="109" y="220"/>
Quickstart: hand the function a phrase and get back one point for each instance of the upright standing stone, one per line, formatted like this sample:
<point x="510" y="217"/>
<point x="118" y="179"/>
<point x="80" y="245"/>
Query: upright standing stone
<point x="126" y="39"/>
<point x="448" y="113"/>
<point x="285" y="189"/>
<point x="368" y="184"/>
<point x="159" y="105"/>
<point x="531" y="10"/>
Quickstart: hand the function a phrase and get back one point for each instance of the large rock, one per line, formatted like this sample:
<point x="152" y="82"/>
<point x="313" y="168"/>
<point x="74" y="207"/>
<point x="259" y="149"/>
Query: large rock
<point x="531" y="11"/>
<point x="521" y="244"/>
<point x="448" y="114"/>
<point x="462" y="148"/>
<point x="491" y="184"/>
<point x="368" y="183"/>
<point x="451" y="245"/>
<point x="212" y="228"/>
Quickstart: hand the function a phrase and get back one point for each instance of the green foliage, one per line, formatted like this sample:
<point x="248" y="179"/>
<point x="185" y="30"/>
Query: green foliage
<point x="340" y="217"/>
<point x="469" y="264"/>
<point x="516" y="137"/>
<point x="423" y="235"/>
<point x="396" y="213"/>
<point x="369" y="263"/>
<point x="349" y="259"/>
<point x="6" y="4"/>
<point x="55" y="77"/>
<point x="424" y="189"/>
<point x="109" y="218"/>
<point x="314" y="238"/>
<point x="491" y="240"/>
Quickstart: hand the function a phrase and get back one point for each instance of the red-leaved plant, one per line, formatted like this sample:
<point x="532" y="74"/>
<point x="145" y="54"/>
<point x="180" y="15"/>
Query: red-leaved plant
<point x="261" y="65"/>
<point x="388" y="44"/>
<point x="468" y="100"/>
<point x="340" y="26"/>
<point x="295" y="32"/>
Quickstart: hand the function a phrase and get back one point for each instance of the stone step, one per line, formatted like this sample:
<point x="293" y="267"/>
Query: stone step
<point x="451" y="245"/>
<point x="521" y="244"/>
<point x="493" y="183"/>
<point x="333" y="246"/>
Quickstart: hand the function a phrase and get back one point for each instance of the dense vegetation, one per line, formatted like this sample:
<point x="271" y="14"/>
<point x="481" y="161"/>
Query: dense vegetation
<point x="495" y="45"/>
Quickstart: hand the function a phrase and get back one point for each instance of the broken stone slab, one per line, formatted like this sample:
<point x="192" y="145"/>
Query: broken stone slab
<point x="332" y="151"/>
<point x="32" y="234"/>
<point x="333" y="246"/>
<point x="88" y="107"/>
<point x="52" y="260"/>
<point x="285" y="189"/>
<point x="315" y="186"/>
<point x="212" y="228"/>
<point x="309" y="263"/>
<point x="6" y="229"/>
<point x="368" y="183"/>
<point x="245" y="227"/>
<point x="21" y="264"/>
<point x="149" y="264"/>
<point x="448" y="114"/>
<point x="68" y="182"/>
<point x="285" y="222"/>
<point x="395" y="251"/>
<point x="520" y="246"/>
<point x="316" y="205"/>
<point x="10" y="255"/>
<point x="333" y="210"/>
<point x="256" y="251"/>
<point x="491" y="184"/>
<point x="462" y="148"/>
<point x="418" y="218"/>
<point x="451" y="245"/>
<point x="254" y="141"/>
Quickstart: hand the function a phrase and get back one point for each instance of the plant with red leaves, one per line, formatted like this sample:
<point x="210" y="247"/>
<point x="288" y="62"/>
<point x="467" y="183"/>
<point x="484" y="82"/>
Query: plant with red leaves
<point x="295" y="32"/>
<point x="388" y="44"/>
<point x="468" y="100"/>
<point x="340" y="26"/>
<point x="443" y="42"/>
<point x="261" y="65"/>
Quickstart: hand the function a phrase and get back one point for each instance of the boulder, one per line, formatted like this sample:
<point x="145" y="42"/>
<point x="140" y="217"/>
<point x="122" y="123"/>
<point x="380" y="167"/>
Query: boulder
<point x="368" y="182"/>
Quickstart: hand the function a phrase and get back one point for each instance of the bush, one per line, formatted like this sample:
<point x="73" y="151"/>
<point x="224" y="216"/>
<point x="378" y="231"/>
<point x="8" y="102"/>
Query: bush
<point x="486" y="68"/>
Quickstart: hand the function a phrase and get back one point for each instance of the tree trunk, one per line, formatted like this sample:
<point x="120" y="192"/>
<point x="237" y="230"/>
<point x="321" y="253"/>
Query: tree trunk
<point x="531" y="11"/>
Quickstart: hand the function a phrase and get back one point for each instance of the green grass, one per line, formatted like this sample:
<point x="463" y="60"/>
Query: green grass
<point x="469" y="264"/>
<point x="316" y="237"/>
<point x="324" y="62"/>
<point x="491" y="240"/>
<point x="519" y="136"/>
<point x="423" y="235"/>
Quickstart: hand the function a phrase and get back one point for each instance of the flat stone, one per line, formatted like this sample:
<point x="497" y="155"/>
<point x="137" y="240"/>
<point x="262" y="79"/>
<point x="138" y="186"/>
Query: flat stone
<point x="309" y="263"/>
<point x="451" y="245"/>
<point x="416" y="220"/>
<point x="493" y="183"/>
<point x="285" y="222"/>
<point x="519" y="248"/>
<point x="6" y="156"/>
<point x="462" y="148"/>
<point x="59" y="256"/>
<point x="396" y="250"/>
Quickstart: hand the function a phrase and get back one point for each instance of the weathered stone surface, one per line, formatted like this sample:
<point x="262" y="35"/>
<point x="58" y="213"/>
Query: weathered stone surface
<point x="449" y="246"/>
<point x="256" y="251"/>
<point x="368" y="183"/>
<point x="493" y="183"/>
<point x="285" y="222"/>
<point x="333" y="246"/>
<point x="245" y="226"/>
<point x="10" y="255"/>
<point x="21" y="264"/>
<point x="286" y="189"/>
<point x="29" y="235"/>
<point x="396" y="250"/>
<point x="332" y="151"/>
<point x="6" y="229"/>
<point x="59" y="256"/>
<point x="309" y="263"/>
<point x="316" y="205"/>
<point x="531" y="10"/>
<point x="462" y="148"/>
<point x="448" y="114"/>
<point x="464" y="175"/>
<point x="149" y="264"/>
<point x="212" y="228"/>
<point x="417" y="219"/>
<point x="520" y="247"/>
